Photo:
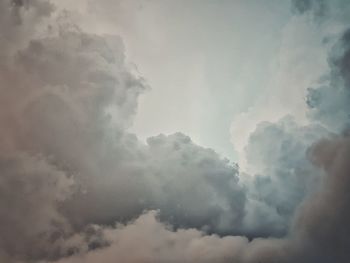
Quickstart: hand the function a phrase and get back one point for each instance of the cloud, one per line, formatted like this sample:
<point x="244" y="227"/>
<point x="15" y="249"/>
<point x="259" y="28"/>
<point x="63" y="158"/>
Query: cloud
<point x="192" y="186"/>
<point x="317" y="7"/>
<point x="67" y="100"/>
<point x="195" y="186"/>
<point x="76" y="186"/>
<point x="31" y="190"/>
<point x="329" y="99"/>
<point x="282" y="175"/>
<point x="319" y="233"/>
<point x="301" y="50"/>
<point x="153" y="241"/>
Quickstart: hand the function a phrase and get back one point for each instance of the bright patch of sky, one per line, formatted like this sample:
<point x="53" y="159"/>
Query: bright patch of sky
<point x="215" y="68"/>
<point x="206" y="61"/>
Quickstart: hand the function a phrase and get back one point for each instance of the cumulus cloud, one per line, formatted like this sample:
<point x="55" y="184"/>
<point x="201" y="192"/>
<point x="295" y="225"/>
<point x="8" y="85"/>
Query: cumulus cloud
<point x="192" y="186"/>
<point x="319" y="233"/>
<point x="329" y="99"/>
<point x="282" y="175"/>
<point x="76" y="186"/>
<point x="302" y="49"/>
<point x="153" y="241"/>
<point x="67" y="99"/>
<point x="31" y="190"/>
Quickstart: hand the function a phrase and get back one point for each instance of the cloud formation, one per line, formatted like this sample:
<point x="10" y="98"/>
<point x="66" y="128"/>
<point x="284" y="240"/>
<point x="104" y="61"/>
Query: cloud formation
<point x="329" y="99"/>
<point x="67" y="160"/>
<point x="76" y="186"/>
<point x="316" y="7"/>
<point x="283" y="175"/>
<point x="319" y="234"/>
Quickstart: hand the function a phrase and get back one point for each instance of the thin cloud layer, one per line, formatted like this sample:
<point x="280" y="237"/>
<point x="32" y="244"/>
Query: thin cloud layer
<point x="76" y="186"/>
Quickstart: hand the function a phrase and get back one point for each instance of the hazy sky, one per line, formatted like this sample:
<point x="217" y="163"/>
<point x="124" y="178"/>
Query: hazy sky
<point x="205" y="61"/>
<point x="210" y="62"/>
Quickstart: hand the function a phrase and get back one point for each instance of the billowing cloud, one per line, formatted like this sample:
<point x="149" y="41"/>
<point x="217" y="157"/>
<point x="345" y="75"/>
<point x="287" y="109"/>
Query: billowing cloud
<point x="319" y="233"/>
<point x="152" y="241"/>
<point x="76" y="186"/>
<point x="67" y="160"/>
<point x="31" y="190"/>
<point x="329" y="99"/>
<point x="282" y="175"/>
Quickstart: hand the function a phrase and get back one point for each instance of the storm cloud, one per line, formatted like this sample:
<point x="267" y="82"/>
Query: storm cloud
<point x="329" y="99"/>
<point x="68" y="161"/>
<point x="76" y="186"/>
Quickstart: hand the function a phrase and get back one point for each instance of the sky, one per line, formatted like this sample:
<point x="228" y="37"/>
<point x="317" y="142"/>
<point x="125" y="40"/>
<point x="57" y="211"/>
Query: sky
<point x="204" y="50"/>
<point x="159" y="131"/>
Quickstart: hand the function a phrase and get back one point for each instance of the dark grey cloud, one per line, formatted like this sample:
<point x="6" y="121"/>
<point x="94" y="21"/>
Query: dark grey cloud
<point x="30" y="192"/>
<point x="319" y="233"/>
<point x="67" y="99"/>
<point x="321" y="227"/>
<point x="317" y="8"/>
<point x="329" y="100"/>
<point x="190" y="185"/>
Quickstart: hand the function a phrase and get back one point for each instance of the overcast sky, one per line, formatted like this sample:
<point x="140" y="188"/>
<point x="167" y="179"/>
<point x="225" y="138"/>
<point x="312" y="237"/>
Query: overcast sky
<point x="116" y="118"/>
